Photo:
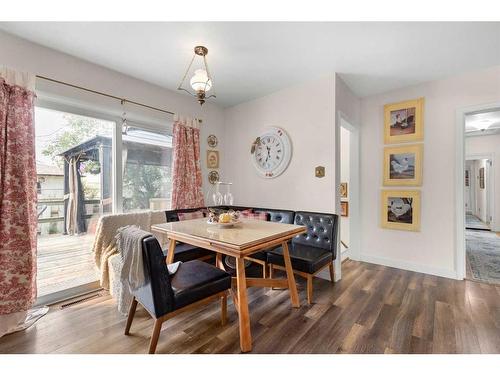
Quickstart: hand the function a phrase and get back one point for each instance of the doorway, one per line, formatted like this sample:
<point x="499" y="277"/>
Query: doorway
<point x="348" y="195"/>
<point x="480" y="187"/>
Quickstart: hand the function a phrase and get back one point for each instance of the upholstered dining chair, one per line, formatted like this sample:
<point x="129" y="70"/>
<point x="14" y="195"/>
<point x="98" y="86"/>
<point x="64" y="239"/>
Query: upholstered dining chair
<point x="195" y="283"/>
<point x="312" y="251"/>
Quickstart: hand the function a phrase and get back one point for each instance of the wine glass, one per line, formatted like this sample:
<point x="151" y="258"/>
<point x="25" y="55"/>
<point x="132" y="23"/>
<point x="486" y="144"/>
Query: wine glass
<point x="217" y="196"/>
<point x="228" y="197"/>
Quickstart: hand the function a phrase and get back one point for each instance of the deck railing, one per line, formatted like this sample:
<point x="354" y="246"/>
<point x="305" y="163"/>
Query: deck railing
<point x="60" y="202"/>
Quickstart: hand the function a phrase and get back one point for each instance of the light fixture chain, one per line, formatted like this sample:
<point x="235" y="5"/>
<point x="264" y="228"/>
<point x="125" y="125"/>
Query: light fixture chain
<point x="187" y="71"/>
<point x="208" y="73"/>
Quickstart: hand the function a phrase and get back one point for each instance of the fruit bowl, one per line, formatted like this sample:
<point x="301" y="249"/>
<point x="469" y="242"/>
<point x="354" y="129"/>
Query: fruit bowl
<point x="224" y="225"/>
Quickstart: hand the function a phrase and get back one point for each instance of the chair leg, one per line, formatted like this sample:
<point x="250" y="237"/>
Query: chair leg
<point x="271" y="271"/>
<point x="309" y="289"/>
<point x="332" y="276"/>
<point x="223" y="309"/>
<point x="155" y="336"/>
<point x="264" y="271"/>
<point x="131" y="313"/>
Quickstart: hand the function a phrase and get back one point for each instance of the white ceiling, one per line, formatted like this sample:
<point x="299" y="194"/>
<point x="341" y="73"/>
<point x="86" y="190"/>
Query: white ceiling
<point x="486" y="123"/>
<point x="252" y="59"/>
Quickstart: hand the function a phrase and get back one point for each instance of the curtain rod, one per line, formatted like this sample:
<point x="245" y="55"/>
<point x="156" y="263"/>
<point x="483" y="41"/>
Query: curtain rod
<point x="122" y="100"/>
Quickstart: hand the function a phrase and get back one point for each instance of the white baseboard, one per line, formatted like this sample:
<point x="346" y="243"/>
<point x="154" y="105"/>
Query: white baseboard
<point x="450" y="274"/>
<point x="345" y="254"/>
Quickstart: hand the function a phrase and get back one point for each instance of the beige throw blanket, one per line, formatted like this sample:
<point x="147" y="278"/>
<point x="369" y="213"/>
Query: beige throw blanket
<point x="105" y="242"/>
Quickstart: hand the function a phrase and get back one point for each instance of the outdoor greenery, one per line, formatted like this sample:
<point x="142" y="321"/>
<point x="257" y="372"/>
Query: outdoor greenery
<point x="76" y="130"/>
<point x="141" y="183"/>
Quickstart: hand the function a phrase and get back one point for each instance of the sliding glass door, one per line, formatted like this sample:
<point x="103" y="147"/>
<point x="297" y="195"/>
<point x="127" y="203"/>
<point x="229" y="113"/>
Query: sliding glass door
<point x="89" y="165"/>
<point x="146" y="160"/>
<point x="74" y="182"/>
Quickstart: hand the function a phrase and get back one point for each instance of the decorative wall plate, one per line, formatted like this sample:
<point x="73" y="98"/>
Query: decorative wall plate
<point x="213" y="177"/>
<point x="212" y="140"/>
<point x="271" y="152"/>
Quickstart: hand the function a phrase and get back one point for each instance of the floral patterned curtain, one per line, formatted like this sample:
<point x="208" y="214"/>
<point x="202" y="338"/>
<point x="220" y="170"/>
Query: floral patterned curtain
<point x="186" y="171"/>
<point x="18" y="198"/>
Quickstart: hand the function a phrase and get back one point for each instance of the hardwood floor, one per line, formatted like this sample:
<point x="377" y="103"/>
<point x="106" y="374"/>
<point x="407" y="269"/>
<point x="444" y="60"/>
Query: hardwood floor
<point x="373" y="309"/>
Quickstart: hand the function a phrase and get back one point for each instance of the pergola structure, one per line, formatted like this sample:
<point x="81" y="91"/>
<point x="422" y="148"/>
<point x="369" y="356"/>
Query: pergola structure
<point x="136" y="149"/>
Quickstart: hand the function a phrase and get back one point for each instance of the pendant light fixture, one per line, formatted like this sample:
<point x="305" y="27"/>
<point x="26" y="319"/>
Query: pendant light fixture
<point x="201" y="82"/>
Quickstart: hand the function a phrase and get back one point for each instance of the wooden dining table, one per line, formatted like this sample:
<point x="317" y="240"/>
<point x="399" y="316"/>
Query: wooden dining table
<point x="240" y="241"/>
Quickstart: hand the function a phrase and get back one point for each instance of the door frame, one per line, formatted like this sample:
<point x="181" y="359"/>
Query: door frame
<point x="345" y="122"/>
<point x="460" y="156"/>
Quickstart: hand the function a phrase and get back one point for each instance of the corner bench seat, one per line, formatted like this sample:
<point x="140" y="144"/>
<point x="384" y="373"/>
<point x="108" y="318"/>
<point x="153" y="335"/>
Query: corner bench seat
<point x="310" y="252"/>
<point x="304" y="258"/>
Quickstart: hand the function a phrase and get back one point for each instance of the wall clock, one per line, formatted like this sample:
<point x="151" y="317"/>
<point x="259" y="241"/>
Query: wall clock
<point x="271" y="152"/>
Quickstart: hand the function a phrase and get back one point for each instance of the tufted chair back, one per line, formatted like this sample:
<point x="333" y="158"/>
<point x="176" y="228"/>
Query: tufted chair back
<point x="172" y="214"/>
<point x="156" y="295"/>
<point x="321" y="230"/>
<point x="277" y="216"/>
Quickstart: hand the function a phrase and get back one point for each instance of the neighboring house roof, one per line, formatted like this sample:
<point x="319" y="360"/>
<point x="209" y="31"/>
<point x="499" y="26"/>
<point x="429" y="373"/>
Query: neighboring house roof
<point x="48" y="170"/>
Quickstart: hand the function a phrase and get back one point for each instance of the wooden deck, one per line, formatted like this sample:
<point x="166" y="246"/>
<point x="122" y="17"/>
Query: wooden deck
<point x="64" y="262"/>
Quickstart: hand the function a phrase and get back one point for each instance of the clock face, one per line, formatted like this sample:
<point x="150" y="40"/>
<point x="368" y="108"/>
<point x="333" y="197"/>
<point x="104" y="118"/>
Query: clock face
<point x="272" y="153"/>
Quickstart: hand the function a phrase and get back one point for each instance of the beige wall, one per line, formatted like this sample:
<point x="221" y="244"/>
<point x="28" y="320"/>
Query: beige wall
<point x="307" y="113"/>
<point x="431" y="250"/>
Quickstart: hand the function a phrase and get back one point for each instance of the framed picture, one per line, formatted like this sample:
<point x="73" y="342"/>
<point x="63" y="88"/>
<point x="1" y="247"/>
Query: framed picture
<point x="403" y="165"/>
<point x="401" y="209"/>
<point x="212" y="159"/>
<point x="481" y="178"/>
<point x="344" y="209"/>
<point x="343" y="190"/>
<point x="403" y="122"/>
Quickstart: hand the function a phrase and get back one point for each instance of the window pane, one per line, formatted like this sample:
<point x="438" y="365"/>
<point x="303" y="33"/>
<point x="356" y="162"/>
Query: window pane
<point x="74" y="188"/>
<point x="147" y="161"/>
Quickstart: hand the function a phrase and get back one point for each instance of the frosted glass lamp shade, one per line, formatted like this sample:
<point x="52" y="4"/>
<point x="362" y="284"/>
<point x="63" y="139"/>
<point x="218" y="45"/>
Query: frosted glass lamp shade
<point x="200" y="81"/>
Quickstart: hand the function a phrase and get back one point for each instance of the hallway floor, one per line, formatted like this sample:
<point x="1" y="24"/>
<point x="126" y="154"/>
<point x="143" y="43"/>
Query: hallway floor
<point x="483" y="256"/>
<point x="473" y="222"/>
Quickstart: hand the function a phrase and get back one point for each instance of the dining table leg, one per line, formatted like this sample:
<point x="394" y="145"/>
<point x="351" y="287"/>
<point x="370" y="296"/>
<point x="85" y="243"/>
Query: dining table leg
<point x="244" y="317"/>
<point x="292" y="287"/>
<point x="171" y="251"/>
<point x="218" y="261"/>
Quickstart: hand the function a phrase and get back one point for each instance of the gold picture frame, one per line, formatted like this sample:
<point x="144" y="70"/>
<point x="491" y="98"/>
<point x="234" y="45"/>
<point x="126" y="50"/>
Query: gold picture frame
<point x="212" y="159"/>
<point x="404" y="121"/>
<point x="343" y="190"/>
<point x="403" y="165"/>
<point x="400" y="209"/>
<point x="344" y="208"/>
